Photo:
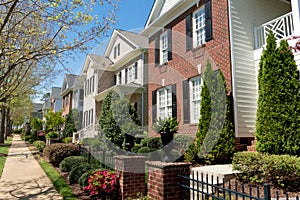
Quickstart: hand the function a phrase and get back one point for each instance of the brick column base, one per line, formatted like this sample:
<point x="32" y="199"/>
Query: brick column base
<point x="130" y="171"/>
<point x="163" y="180"/>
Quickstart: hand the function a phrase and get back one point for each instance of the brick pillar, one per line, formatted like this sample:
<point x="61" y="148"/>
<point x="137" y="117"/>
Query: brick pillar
<point x="131" y="173"/>
<point x="163" y="180"/>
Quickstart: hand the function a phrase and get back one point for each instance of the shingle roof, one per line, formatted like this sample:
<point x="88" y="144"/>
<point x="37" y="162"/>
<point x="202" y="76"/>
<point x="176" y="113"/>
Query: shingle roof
<point x="70" y="78"/>
<point x="137" y="39"/>
<point x="100" y="60"/>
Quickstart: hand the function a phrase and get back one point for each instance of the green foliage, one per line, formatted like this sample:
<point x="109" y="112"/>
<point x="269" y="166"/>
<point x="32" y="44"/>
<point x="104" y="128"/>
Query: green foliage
<point x="153" y="143"/>
<point x="36" y="123"/>
<point x="67" y="140"/>
<point x="117" y="117"/>
<point x="69" y="162"/>
<point x="182" y="142"/>
<point x="278" y="113"/>
<point x="191" y="154"/>
<point x="144" y="150"/>
<point x="40" y="145"/>
<point x="140" y="196"/>
<point x="52" y="135"/>
<point x="166" y="126"/>
<point x="54" y="120"/>
<point x="215" y="137"/>
<point x="69" y="125"/>
<point x="4" y="151"/>
<point x="136" y="148"/>
<point x="78" y="170"/>
<point x="83" y="180"/>
<point x="55" y="153"/>
<point x="281" y="170"/>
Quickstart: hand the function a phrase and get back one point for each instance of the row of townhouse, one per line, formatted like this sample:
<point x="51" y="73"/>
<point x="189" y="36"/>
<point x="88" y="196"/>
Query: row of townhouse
<point x="159" y="70"/>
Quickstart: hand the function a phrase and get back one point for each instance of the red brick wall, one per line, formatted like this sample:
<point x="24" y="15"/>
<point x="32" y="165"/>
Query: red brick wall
<point x="130" y="171"/>
<point x="163" y="180"/>
<point x="67" y="107"/>
<point x="184" y="65"/>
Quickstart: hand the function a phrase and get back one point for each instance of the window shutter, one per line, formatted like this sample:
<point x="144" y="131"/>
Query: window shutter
<point x="115" y="52"/>
<point x="115" y="79"/>
<point x="174" y="105"/>
<point x="185" y="91"/>
<point x="136" y="70"/>
<point x="189" y="32"/>
<point x="208" y="21"/>
<point x="169" y="44"/>
<point x="154" y="105"/>
<point x="126" y="72"/>
<point x="156" y="51"/>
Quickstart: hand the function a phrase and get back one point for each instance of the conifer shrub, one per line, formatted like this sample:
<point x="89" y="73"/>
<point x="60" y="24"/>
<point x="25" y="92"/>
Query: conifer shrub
<point x="278" y="113"/>
<point x="78" y="170"/>
<point x="215" y="137"/>
<point x="68" y="163"/>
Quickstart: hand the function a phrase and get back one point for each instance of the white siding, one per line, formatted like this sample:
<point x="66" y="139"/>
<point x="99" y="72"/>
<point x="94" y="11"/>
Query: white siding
<point x="245" y="15"/>
<point x="124" y="49"/>
<point x="168" y="5"/>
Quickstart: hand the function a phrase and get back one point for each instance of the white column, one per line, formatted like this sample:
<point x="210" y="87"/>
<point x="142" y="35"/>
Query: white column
<point x="296" y="16"/>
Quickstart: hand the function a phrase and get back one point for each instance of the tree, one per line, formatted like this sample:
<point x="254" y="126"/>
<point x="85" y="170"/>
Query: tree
<point x="117" y="117"/>
<point x="215" y="137"/>
<point x="35" y="35"/>
<point x="278" y="113"/>
<point x="36" y="123"/>
<point x="54" y="120"/>
<point x="69" y="125"/>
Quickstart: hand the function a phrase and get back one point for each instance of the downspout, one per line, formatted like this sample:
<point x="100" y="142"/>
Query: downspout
<point x="143" y="92"/>
<point x="232" y="69"/>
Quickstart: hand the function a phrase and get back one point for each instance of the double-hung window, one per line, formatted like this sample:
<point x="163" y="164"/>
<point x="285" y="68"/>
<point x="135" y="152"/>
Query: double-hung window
<point x="199" y="27"/>
<point x="164" y="102"/>
<point x="164" y="47"/>
<point x="131" y="74"/>
<point x="195" y="98"/>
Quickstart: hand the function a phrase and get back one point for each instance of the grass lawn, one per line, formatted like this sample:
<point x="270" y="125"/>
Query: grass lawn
<point x="3" y="153"/>
<point x="58" y="181"/>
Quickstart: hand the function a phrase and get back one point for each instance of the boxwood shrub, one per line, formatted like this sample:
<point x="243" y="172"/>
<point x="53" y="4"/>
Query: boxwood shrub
<point x="78" y="170"/>
<point x="152" y="143"/>
<point x="55" y="153"/>
<point x="281" y="170"/>
<point x="68" y="163"/>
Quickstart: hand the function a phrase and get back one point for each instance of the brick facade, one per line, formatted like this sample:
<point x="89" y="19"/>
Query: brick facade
<point x="184" y="64"/>
<point x="130" y="171"/>
<point x="67" y="103"/>
<point x="163" y="180"/>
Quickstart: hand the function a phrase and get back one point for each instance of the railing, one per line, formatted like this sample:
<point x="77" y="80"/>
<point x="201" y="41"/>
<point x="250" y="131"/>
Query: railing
<point x="282" y="27"/>
<point x="89" y="131"/>
<point x="200" y="186"/>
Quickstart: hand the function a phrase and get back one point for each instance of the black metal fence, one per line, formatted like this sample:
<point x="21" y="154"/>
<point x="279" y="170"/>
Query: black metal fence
<point x="200" y="186"/>
<point x="100" y="158"/>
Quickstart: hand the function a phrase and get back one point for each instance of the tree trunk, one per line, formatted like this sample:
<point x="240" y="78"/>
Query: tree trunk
<point x="7" y="124"/>
<point x="2" y="127"/>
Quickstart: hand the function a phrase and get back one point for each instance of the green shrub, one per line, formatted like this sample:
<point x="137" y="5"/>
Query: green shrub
<point x="78" y="171"/>
<point x="144" y="150"/>
<point x="67" y="140"/>
<point x="152" y="143"/>
<point x="52" y="135"/>
<point x="40" y="145"/>
<point x="281" y="170"/>
<point x="182" y="142"/>
<point x="83" y="180"/>
<point x="191" y="154"/>
<point x="68" y="163"/>
<point x="156" y="155"/>
<point x="55" y="153"/>
<point x="174" y="155"/>
<point x="136" y="148"/>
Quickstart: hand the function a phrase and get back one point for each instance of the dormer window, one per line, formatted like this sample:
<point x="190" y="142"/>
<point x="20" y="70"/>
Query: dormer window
<point x="117" y="51"/>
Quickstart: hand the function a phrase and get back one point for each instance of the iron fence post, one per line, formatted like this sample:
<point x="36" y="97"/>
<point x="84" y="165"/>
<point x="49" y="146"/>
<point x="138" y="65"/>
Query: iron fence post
<point x="267" y="191"/>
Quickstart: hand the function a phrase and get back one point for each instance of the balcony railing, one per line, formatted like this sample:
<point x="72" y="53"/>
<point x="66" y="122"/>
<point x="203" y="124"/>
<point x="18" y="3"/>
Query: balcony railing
<point x="89" y="131"/>
<point x="282" y="27"/>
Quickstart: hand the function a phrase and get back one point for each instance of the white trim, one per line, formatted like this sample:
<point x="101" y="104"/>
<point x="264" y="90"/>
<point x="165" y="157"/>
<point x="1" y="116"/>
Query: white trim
<point x="296" y="16"/>
<point x="192" y="120"/>
<point x="195" y="29"/>
<point x="167" y="105"/>
<point x="163" y="47"/>
<point x="233" y="69"/>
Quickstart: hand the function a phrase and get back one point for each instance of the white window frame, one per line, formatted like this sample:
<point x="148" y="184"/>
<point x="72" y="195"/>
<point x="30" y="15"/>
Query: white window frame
<point x="195" y="87"/>
<point x="164" y="99"/>
<point x="131" y="74"/>
<point x="199" y="27"/>
<point x="119" y="78"/>
<point x="164" y="47"/>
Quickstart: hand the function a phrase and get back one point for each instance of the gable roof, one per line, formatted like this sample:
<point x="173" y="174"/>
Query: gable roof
<point x="165" y="11"/>
<point x="70" y="79"/>
<point x="134" y="39"/>
<point x="96" y="62"/>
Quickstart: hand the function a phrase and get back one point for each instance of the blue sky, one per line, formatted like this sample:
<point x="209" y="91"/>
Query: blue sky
<point x="132" y="16"/>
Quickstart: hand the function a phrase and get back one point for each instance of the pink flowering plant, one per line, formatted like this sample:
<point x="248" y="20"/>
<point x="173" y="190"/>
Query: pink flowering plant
<point x="101" y="183"/>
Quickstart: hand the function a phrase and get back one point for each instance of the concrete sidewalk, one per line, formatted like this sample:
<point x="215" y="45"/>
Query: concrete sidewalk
<point x="22" y="176"/>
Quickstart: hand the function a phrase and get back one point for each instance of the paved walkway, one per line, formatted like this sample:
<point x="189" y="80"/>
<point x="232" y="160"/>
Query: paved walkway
<point x="22" y="176"/>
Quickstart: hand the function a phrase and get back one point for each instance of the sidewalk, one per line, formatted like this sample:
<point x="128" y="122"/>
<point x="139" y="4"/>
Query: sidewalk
<point x="22" y="176"/>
